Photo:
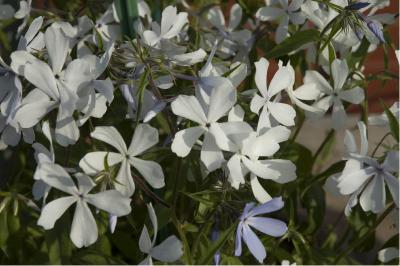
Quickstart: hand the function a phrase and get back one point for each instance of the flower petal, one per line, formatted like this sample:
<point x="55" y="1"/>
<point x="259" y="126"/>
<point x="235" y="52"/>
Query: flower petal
<point x="235" y="16"/>
<point x="340" y="70"/>
<point x="111" y="201"/>
<point x="169" y="250"/>
<point x="55" y="176"/>
<point x="151" y="171"/>
<point x="339" y="116"/>
<point x="282" y="79"/>
<point x="53" y="210"/>
<point x="143" y="139"/>
<point x="261" y="76"/>
<point x="354" y="96"/>
<point x="269" y="13"/>
<point x="282" y="112"/>
<point x="267" y="207"/>
<point x="269" y="226"/>
<point x="393" y="184"/>
<point x="30" y="114"/>
<point x="254" y="244"/>
<point x="145" y="244"/>
<point x="211" y="155"/>
<point x="124" y="182"/>
<point x="111" y="136"/>
<point x="185" y="139"/>
<point x="222" y="100"/>
<point x="373" y="198"/>
<point x="258" y="191"/>
<point x="189" y="108"/>
<point x="93" y="162"/>
<point x="84" y="227"/>
<point x="57" y="45"/>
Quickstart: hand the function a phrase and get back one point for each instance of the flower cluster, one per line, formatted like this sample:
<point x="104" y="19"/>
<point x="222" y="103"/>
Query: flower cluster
<point x="212" y="116"/>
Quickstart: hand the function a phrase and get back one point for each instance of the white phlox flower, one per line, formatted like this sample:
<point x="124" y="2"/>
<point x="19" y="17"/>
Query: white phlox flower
<point x="144" y="138"/>
<point x="84" y="228"/>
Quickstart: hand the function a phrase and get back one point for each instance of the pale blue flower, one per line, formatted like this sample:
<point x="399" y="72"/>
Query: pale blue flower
<point x="269" y="226"/>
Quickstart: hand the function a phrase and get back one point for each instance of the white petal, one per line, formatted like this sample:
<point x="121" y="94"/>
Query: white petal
<point x="230" y="135"/>
<point x="84" y="227"/>
<point x="57" y="45"/>
<point x="124" y="182"/>
<point x="261" y="76"/>
<point x="313" y="76"/>
<point x="257" y="102"/>
<point x="145" y="244"/>
<point x="353" y="177"/>
<point x="340" y="70"/>
<point x="354" y="96"/>
<point x="258" y="191"/>
<point x="282" y="30"/>
<point x="236" y="170"/>
<point x="39" y="74"/>
<point x="282" y="112"/>
<point x="393" y="184"/>
<point x="30" y="114"/>
<point x="339" y="116"/>
<point x="373" y="198"/>
<point x="235" y="16"/>
<point x="282" y="171"/>
<point x="111" y="201"/>
<point x="190" y="108"/>
<point x="52" y="211"/>
<point x="282" y="79"/>
<point x="85" y="183"/>
<point x="216" y="17"/>
<point x="105" y="88"/>
<point x="93" y="162"/>
<point x="111" y="136"/>
<point x="169" y="250"/>
<point x="55" y="176"/>
<point x="222" y="100"/>
<point x="211" y="155"/>
<point x="236" y="114"/>
<point x="307" y="91"/>
<point x="189" y="59"/>
<point x="67" y="131"/>
<point x="177" y="23"/>
<point x="185" y="139"/>
<point x="269" y="13"/>
<point x="143" y="139"/>
<point x="151" y="171"/>
<point x="388" y="254"/>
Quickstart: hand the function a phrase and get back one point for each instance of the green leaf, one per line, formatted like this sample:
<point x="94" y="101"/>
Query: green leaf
<point x="393" y="123"/>
<point x="204" y="197"/>
<point x="314" y="203"/>
<point x="3" y="228"/>
<point x="209" y="253"/>
<point x="127" y="11"/>
<point x="294" y="42"/>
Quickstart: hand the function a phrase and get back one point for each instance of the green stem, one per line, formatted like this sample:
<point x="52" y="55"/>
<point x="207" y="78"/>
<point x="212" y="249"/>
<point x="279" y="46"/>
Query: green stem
<point x="379" y="144"/>
<point x="321" y="147"/>
<point x="364" y="237"/>
<point x="175" y="220"/>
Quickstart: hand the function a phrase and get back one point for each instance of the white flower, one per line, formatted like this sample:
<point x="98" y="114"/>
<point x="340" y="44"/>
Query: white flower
<point x="334" y="95"/>
<point x="230" y="37"/>
<point x="84" y="228"/>
<point x="171" y="25"/>
<point x="42" y="155"/>
<point x="169" y="250"/>
<point x="23" y="13"/>
<point x="387" y="254"/>
<point x="150" y="105"/>
<point x="106" y="26"/>
<point x="306" y="92"/>
<point x="382" y="120"/>
<point x="247" y="147"/>
<point x="144" y="138"/>
<point x="271" y="108"/>
<point x="206" y="108"/>
<point x="365" y="177"/>
<point x="287" y="12"/>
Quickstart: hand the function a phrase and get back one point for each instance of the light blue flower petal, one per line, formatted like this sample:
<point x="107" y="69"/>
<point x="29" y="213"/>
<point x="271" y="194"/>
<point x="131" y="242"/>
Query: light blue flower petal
<point x="270" y="206"/>
<point x="238" y="241"/>
<point x="254" y="244"/>
<point x="269" y="226"/>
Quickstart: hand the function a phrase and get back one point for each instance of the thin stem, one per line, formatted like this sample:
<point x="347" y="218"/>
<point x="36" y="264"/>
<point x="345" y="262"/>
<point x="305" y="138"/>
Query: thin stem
<point x="139" y="182"/>
<point x="175" y="220"/>
<point x="321" y="147"/>
<point x="379" y="144"/>
<point x="364" y="237"/>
